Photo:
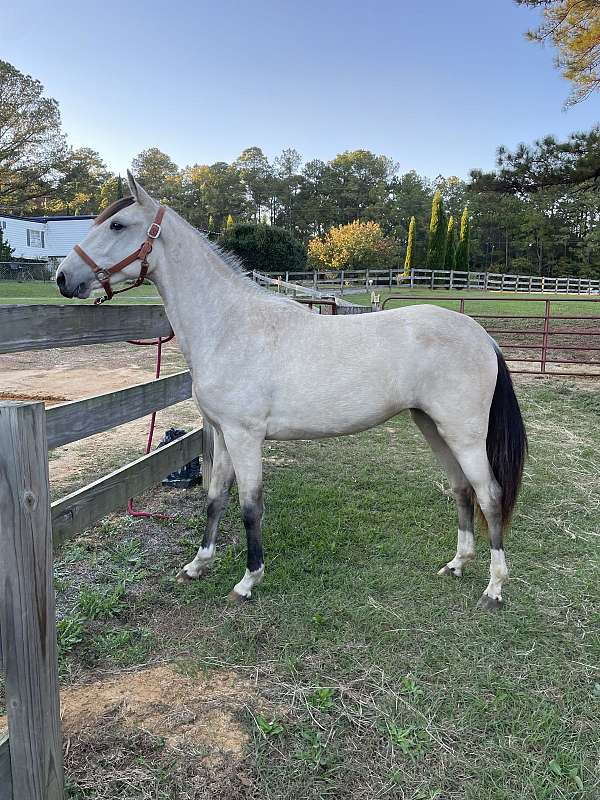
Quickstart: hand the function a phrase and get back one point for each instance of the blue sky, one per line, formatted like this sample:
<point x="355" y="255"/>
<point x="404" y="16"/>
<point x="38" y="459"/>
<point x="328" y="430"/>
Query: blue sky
<point x="435" y="85"/>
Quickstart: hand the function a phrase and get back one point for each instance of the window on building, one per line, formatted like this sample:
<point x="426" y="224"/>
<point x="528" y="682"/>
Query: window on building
<point x="3" y="224"/>
<point x="35" y="238"/>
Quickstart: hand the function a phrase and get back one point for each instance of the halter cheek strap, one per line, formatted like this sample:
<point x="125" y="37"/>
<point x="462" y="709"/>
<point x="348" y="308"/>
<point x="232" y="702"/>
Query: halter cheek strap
<point x="103" y="275"/>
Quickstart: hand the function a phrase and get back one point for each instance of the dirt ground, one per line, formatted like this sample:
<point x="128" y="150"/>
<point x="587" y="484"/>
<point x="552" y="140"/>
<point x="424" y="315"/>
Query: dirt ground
<point x="56" y="376"/>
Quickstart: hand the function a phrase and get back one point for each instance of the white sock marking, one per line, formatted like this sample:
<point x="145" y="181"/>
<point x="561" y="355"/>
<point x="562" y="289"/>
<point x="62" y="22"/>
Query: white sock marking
<point x="465" y="552"/>
<point x="204" y="558"/>
<point x="249" y="581"/>
<point x="498" y="574"/>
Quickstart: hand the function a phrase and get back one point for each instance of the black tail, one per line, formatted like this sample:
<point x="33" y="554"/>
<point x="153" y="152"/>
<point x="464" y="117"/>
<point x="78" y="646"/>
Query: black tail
<point x="506" y="439"/>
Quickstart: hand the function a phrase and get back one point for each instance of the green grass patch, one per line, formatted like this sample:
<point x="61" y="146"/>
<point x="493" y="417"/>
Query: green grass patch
<point x="46" y="292"/>
<point x="385" y="680"/>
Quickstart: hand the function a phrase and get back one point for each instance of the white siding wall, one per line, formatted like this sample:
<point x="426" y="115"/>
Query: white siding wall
<point x="60" y="236"/>
<point x="15" y="233"/>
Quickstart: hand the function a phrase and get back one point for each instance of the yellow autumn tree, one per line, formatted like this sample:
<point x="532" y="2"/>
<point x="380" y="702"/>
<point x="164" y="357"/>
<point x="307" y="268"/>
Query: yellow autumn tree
<point x="357" y="245"/>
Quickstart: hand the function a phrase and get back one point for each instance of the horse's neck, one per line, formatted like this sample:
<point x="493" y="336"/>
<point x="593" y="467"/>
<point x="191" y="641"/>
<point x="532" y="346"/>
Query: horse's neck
<point x="204" y="298"/>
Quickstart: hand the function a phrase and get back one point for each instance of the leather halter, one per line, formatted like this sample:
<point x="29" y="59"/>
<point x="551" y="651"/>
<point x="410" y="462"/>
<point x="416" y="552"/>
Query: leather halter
<point x="103" y="275"/>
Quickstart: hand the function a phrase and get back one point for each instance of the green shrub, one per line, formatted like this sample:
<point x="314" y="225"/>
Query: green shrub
<point x="265" y="248"/>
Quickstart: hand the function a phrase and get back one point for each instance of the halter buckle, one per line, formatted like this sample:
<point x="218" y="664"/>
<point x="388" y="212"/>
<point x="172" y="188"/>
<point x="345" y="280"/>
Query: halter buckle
<point x="154" y="231"/>
<point x="102" y="275"/>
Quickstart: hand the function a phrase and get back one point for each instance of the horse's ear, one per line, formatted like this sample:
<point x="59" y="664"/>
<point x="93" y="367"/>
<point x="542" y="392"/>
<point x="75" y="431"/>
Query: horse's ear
<point x="138" y="192"/>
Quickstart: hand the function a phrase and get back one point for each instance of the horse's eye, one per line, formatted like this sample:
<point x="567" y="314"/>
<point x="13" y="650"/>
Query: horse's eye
<point x="116" y="226"/>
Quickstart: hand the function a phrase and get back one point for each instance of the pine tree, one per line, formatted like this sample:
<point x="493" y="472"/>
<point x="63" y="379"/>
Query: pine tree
<point x="229" y="222"/>
<point x="462" y="251"/>
<point x="410" y="246"/>
<point x="6" y="251"/>
<point x="437" y="234"/>
<point x="450" y="245"/>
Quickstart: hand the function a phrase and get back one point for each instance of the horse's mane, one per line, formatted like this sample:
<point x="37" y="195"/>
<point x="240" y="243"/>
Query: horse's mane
<point x="113" y="208"/>
<point x="236" y="269"/>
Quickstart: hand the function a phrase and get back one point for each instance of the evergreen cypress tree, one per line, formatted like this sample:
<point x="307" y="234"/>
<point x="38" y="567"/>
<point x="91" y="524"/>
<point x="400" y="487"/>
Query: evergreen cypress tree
<point x="462" y="251"/>
<point x="410" y="247"/>
<point x="6" y="250"/>
<point x="211" y="224"/>
<point x="450" y="245"/>
<point x="436" y="253"/>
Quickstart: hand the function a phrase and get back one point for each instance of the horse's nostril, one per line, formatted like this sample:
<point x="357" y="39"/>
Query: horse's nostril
<point x="61" y="280"/>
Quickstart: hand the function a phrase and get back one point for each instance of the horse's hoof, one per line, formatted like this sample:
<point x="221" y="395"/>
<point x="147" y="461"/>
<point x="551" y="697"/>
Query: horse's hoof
<point x="184" y="577"/>
<point x="235" y="599"/>
<point x="451" y="571"/>
<point x="487" y="603"/>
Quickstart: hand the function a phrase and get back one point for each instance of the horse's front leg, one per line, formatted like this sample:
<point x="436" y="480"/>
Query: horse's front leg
<point x="245" y="449"/>
<point x="221" y="480"/>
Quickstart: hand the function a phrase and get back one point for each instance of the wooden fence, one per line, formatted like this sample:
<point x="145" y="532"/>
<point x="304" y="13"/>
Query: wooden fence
<point x="347" y="281"/>
<point x="30" y="526"/>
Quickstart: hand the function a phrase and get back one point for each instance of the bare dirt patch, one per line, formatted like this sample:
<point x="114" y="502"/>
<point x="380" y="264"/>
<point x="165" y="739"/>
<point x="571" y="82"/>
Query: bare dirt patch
<point x="64" y="374"/>
<point x="202" y="710"/>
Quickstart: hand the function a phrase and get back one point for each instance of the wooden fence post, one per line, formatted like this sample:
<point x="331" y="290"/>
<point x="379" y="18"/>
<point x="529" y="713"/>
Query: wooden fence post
<point x="27" y="614"/>
<point x="208" y="445"/>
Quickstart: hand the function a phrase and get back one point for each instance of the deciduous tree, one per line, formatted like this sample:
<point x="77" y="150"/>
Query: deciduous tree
<point x="154" y="169"/>
<point x="32" y="146"/>
<point x="265" y="248"/>
<point x="357" y="245"/>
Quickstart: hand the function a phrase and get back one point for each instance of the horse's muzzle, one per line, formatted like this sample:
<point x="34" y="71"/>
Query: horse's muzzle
<point x="82" y="290"/>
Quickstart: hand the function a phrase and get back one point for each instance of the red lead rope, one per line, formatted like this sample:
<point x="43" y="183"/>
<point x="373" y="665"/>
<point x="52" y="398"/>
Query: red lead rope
<point x="159" y="343"/>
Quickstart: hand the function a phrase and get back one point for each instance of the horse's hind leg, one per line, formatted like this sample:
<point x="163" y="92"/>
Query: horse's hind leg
<point x="221" y="480"/>
<point x="474" y="462"/>
<point x="461" y="489"/>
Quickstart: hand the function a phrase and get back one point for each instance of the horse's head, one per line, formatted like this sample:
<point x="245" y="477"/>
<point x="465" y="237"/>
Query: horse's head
<point x="117" y="233"/>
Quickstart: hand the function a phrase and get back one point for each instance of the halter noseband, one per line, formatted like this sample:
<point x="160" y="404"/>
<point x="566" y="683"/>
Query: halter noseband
<point x="103" y="275"/>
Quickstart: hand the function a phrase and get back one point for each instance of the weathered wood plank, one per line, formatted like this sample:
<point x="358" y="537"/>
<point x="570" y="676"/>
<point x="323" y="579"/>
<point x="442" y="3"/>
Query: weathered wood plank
<point x="70" y="422"/>
<point x="42" y="327"/>
<point x="27" y="615"/>
<point x="6" y="792"/>
<point x="82" y="508"/>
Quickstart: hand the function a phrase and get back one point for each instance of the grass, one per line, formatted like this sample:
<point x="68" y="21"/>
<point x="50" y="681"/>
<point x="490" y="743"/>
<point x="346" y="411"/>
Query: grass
<point x="31" y="292"/>
<point x="385" y="680"/>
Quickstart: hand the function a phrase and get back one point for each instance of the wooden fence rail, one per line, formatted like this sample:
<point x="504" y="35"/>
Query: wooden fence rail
<point x="353" y="280"/>
<point x="31" y="755"/>
<point x="79" y="510"/>
<point x="45" y="327"/>
<point x="79" y="419"/>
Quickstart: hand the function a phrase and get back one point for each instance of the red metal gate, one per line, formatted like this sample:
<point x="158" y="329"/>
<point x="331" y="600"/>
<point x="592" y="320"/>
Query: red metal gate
<point x="551" y="346"/>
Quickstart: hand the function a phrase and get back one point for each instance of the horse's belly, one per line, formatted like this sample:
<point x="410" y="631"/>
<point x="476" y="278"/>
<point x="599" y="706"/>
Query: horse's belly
<point x="338" y="417"/>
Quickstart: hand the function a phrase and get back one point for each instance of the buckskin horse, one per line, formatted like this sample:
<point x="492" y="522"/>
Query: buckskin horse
<point x="264" y="367"/>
